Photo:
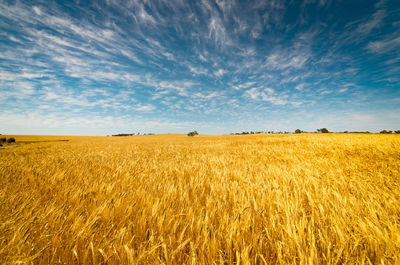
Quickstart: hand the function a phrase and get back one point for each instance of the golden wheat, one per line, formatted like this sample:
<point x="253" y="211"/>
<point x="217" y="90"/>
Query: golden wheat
<point x="173" y="199"/>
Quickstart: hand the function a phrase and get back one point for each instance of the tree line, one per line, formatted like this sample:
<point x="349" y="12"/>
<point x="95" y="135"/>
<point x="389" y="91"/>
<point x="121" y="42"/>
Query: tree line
<point x="131" y="134"/>
<point x="297" y="131"/>
<point x="321" y="130"/>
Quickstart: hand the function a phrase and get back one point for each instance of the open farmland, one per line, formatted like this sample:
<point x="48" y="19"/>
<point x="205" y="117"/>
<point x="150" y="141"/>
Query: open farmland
<point x="173" y="199"/>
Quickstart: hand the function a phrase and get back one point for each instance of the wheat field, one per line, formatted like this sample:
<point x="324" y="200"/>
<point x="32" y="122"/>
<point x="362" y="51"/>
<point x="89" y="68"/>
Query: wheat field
<point x="174" y="199"/>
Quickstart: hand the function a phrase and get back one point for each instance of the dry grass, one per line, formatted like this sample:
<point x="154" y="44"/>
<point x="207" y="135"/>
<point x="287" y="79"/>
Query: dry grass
<point x="173" y="199"/>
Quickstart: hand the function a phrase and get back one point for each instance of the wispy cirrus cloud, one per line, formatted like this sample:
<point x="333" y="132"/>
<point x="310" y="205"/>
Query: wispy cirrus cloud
<point x="388" y="44"/>
<point x="266" y="94"/>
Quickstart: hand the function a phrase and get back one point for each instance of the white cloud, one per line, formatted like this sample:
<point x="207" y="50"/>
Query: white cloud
<point x="16" y="89"/>
<point x="9" y="76"/>
<point x="144" y="16"/>
<point x="244" y="85"/>
<point x="219" y="73"/>
<point x="169" y="56"/>
<point x="145" y="108"/>
<point x="366" y="27"/>
<point x="300" y="87"/>
<point x="383" y="46"/>
<point x="324" y="91"/>
<point x="216" y="28"/>
<point x="37" y="10"/>
<point x="179" y="87"/>
<point x="131" y="56"/>
<point x="207" y="96"/>
<point x="265" y="94"/>
<point x="202" y="58"/>
<point x="282" y="60"/>
<point x="198" y="70"/>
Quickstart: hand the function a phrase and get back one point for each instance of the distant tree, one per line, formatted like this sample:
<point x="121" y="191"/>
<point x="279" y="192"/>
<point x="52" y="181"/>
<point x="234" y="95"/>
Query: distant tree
<point x="193" y="133"/>
<point x="297" y="131"/>
<point x="11" y="140"/>
<point x="398" y="131"/>
<point x="123" y="134"/>
<point x="384" y="131"/>
<point x="3" y="140"/>
<point x="323" y="130"/>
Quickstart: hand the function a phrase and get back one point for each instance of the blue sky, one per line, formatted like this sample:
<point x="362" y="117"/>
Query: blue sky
<point x="104" y="67"/>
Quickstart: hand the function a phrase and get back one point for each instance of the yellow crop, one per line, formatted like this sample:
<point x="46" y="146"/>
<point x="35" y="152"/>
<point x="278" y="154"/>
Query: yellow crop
<point x="174" y="199"/>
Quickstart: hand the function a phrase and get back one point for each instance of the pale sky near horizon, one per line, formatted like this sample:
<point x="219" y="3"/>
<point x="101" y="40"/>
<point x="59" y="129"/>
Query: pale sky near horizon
<point x="174" y="66"/>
